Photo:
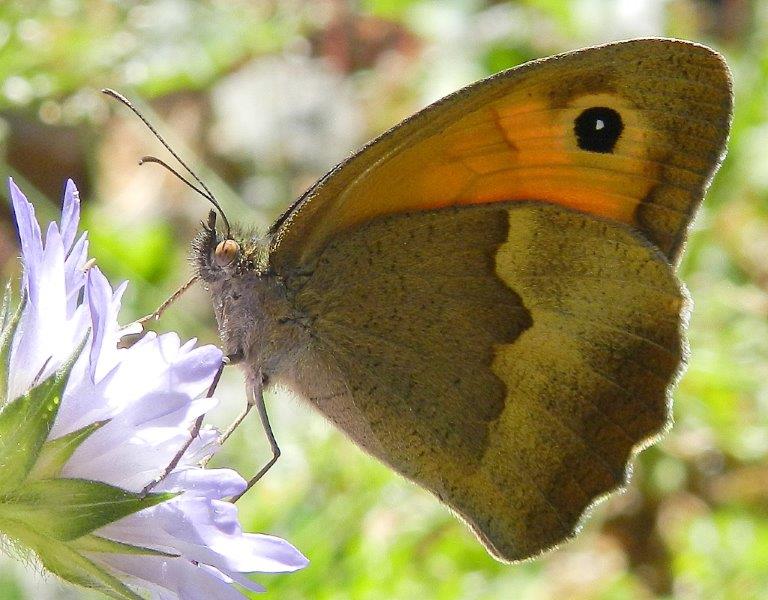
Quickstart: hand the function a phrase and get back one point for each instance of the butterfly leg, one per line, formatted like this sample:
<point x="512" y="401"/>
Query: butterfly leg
<point x="257" y="399"/>
<point x="257" y="391"/>
<point x="194" y="431"/>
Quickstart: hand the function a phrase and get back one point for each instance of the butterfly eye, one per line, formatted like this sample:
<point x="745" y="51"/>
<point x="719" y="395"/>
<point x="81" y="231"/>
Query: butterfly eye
<point x="226" y="252"/>
<point x="598" y="129"/>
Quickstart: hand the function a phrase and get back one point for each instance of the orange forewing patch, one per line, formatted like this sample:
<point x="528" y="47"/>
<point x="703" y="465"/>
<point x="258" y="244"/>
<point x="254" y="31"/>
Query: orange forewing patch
<point x="511" y="151"/>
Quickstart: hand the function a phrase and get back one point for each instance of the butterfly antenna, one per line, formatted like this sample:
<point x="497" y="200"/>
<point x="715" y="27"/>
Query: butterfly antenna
<point x="204" y="192"/>
<point x="165" y="165"/>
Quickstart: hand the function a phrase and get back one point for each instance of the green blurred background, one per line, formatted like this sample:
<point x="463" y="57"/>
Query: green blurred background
<point x="264" y="97"/>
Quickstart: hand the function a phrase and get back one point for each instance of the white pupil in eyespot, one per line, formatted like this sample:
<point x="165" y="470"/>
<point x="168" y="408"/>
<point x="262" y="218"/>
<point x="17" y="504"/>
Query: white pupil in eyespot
<point x="599" y="124"/>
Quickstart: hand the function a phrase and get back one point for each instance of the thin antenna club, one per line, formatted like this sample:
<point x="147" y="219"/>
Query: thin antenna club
<point x="207" y="194"/>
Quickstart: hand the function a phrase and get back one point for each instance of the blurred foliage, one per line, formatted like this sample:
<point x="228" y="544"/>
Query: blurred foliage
<point x="268" y="95"/>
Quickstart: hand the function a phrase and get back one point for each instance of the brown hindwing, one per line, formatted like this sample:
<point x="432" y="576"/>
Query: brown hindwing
<point x="509" y="358"/>
<point x="411" y="310"/>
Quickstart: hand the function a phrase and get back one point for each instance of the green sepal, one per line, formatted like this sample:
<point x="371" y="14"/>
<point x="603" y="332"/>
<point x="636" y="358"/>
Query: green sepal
<point x="24" y="426"/>
<point x="95" y="543"/>
<point x="8" y="329"/>
<point x="26" y="422"/>
<point x="65" y="509"/>
<point x="55" y="453"/>
<point x="65" y="561"/>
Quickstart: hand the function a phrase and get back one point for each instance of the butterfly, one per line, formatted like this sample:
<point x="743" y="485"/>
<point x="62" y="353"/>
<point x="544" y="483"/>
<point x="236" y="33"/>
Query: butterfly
<point x="484" y="297"/>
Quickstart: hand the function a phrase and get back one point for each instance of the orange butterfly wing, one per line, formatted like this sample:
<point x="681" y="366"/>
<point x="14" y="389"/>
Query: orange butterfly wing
<point x="511" y="137"/>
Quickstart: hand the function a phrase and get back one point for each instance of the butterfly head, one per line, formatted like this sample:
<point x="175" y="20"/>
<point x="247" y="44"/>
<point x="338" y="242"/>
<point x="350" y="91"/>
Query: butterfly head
<point x="220" y="257"/>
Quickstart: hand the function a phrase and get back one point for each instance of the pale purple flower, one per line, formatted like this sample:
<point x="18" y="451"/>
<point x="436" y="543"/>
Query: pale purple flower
<point x="73" y="496"/>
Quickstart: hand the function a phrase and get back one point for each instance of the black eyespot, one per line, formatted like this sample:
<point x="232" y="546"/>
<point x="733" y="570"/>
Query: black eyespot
<point x="598" y="129"/>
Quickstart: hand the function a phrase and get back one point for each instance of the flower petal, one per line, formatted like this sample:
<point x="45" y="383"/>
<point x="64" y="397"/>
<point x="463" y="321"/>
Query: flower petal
<point x="70" y="214"/>
<point x="179" y="576"/>
<point x="139" y="442"/>
<point x="29" y="234"/>
<point x="207" y="531"/>
<point x="211" y="483"/>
